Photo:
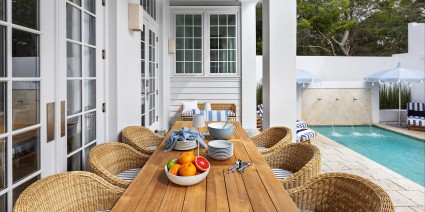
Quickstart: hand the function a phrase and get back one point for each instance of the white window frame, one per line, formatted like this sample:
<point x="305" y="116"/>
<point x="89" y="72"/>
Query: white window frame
<point x="206" y="12"/>
<point x="203" y="43"/>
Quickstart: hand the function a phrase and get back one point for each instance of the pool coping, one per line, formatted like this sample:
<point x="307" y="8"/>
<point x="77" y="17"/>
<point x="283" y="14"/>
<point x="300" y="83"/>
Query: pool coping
<point x="405" y="194"/>
<point x="409" y="133"/>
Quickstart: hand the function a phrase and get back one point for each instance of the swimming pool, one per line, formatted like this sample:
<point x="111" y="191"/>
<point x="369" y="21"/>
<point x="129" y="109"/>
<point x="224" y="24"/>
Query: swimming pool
<point x="402" y="154"/>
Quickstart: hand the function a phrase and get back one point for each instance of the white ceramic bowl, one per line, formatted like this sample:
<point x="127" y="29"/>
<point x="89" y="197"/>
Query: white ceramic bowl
<point x="220" y="149"/>
<point x="186" y="181"/>
<point x="217" y="131"/>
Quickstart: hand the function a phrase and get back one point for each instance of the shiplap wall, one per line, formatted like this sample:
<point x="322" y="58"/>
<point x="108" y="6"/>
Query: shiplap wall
<point x="204" y="89"/>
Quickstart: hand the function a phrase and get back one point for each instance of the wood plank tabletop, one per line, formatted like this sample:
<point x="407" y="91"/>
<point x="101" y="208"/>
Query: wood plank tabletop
<point x="257" y="189"/>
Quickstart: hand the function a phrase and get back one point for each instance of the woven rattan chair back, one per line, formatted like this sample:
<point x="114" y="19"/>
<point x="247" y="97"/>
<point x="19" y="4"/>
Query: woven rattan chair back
<point x="70" y="191"/>
<point x="273" y="139"/>
<point x="141" y="138"/>
<point x="301" y="159"/>
<point x="109" y="159"/>
<point x="341" y="192"/>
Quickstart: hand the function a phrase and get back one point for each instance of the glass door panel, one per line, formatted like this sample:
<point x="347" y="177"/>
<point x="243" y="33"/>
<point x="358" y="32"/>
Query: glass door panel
<point x="20" y="91"/>
<point x="82" y="80"/>
<point x="149" y="77"/>
<point x="143" y="70"/>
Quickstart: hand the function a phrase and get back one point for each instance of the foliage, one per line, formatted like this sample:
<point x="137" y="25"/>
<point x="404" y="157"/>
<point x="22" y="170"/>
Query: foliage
<point x="388" y="96"/>
<point x="259" y="48"/>
<point x="352" y="27"/>
<point x="355" y="27"/>
<point x="259" y="93"/>
<point x="259" y="27"/>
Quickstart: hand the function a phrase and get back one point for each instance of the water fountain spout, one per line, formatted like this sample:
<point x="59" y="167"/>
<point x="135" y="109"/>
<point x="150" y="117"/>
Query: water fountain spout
<point x="367" y="116"/>
<point x="308" y="114"/>
<point x="336" y="99"/>
<point x="344" y="115"/>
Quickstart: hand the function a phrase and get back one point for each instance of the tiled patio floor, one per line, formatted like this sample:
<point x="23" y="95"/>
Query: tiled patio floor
<point x="405" y="194"/>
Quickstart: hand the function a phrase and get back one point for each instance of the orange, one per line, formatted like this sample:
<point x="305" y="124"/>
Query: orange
<point x="174" y="170"/>
<point x="186" y="157"/>
<point x="201" y="164"/>
<point x="187" y="169"/>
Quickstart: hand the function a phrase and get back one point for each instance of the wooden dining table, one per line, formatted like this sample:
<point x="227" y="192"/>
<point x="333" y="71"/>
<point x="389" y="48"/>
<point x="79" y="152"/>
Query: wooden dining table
<point x="256" y="189"/>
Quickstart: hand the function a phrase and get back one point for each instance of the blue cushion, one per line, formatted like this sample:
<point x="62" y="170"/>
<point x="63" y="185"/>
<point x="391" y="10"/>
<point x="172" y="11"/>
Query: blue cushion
<point x="301" y="124"/>
<point x="305" y="134"/>
<point x="416" y="121"/>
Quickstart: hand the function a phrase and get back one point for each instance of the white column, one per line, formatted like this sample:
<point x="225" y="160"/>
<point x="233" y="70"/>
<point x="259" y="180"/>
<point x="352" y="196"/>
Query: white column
<point x="279" y="63"/>
<point x="375" y="103"/>
<point x="123" y="72"/>
<point x="248" y="53"/>
<point x="164" y="64"/>
<point x="299" y="100"/>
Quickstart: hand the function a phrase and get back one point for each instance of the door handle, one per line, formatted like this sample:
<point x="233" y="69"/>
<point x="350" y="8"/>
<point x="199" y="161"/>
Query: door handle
<point x="50" y="121"/>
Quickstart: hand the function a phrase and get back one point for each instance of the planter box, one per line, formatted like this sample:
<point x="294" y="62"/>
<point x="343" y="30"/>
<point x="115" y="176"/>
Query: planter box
<point x="391" y="115"/>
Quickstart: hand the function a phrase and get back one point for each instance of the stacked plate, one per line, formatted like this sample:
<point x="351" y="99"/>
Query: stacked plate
<point x="220" y="149"/>
<point x="185" y="145"/>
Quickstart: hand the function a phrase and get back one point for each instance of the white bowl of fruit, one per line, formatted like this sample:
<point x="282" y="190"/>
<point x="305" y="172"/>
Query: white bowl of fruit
<point x="187" y="169"/>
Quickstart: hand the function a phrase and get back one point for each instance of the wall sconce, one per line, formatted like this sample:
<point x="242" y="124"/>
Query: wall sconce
<point x="135" y="17"/>
<point x="171" y="46"/>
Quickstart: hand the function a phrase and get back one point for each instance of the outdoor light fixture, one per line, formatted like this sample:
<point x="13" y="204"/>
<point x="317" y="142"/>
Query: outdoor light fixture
<point x="171" y="46"/>
<point x="135" y="17"/>
<point x="207" y="106"/>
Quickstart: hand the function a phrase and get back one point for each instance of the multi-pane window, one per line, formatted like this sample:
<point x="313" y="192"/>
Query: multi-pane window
<point x="150" y="7"/>
<point x="189" y="44"/>
<point x="223" y="43"/>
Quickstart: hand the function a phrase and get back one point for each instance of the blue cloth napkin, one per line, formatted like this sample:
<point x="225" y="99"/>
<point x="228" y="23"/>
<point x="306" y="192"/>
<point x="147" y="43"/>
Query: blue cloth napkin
<point x="183" y="135"/>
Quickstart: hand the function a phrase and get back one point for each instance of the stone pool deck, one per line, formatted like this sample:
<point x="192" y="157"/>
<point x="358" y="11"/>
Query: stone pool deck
<point x="405" y="194"/>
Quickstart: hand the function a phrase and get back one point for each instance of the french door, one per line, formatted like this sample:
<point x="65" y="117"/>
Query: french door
<point x="81" y="77"/>
<point x="149" y="70"/>
<point x="21" y="107"/>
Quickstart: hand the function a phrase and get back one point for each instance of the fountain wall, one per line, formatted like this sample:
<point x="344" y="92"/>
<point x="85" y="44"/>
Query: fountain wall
<point x="336" y="106"/>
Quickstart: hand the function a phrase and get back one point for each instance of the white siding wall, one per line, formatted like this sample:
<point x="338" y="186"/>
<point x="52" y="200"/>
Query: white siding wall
<point x="204" y="89"/>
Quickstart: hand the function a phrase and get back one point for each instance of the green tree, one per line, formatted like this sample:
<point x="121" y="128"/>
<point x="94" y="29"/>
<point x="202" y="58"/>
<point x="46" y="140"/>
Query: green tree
<point x="355" y="27"/>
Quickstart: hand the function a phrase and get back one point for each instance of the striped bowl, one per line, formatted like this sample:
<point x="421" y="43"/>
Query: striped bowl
<point x="220" y="149"/>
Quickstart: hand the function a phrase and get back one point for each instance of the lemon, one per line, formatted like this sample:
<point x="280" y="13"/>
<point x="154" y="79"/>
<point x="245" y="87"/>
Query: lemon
<point x="170" y="164"/>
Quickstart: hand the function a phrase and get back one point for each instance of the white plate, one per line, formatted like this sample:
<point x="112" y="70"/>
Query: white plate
<point x="185" y="145"/>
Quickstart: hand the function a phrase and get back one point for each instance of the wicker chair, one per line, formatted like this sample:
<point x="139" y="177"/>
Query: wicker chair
<point x="303" y="160"/>
<point x="273" y="139"/>
<point x="341" y="192"/>
<point x="70" y="191"/>
<point x="109" y="159"/>
<point x="141" y="138"/>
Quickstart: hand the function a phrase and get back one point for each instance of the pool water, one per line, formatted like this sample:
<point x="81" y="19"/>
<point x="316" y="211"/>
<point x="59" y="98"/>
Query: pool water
<point x="402" y="154"/>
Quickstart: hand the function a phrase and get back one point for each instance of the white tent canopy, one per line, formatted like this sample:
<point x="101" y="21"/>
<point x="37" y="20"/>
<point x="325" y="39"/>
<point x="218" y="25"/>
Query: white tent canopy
<point x="306" y="77"/>
<point x="397" y="75"/>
